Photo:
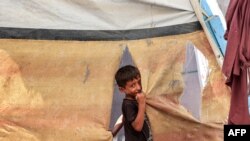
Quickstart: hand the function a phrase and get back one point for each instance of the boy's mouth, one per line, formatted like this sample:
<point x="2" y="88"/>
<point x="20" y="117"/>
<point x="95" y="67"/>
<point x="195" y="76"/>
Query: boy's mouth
<point x="138" y="92"/>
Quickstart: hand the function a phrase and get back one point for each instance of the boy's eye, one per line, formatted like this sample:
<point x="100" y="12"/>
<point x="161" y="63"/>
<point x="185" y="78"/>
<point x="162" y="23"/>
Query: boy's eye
<point x="133" y="85"/>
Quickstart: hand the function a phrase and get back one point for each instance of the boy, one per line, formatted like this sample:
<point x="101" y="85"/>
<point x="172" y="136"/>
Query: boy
<point x="135" y="120"/>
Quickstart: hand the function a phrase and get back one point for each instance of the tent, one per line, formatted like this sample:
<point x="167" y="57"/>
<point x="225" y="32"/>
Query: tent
<point x="223" y="4"/>
<point x="58" y="59"/>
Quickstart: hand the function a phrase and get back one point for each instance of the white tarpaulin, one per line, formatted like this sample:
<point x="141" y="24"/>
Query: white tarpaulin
<point x="94" y="14"/>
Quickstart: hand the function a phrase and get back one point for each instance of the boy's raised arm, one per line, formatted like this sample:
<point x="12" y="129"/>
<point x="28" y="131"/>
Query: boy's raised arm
<point x="139" y="120"/>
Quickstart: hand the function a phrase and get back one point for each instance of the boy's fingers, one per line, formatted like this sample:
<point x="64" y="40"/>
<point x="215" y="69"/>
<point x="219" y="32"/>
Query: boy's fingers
<point x="137" y="96"/>
<point x="140" y="96"/>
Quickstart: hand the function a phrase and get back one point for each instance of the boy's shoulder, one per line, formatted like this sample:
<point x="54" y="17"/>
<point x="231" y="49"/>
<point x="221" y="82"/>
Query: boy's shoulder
<point x="129" y="103"/>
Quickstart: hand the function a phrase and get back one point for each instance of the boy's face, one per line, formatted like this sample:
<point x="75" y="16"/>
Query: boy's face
<point x="132" y="87"/>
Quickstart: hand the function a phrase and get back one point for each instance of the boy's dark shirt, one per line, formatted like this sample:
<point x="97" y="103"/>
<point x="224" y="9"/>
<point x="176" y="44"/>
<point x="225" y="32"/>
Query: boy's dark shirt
<point x="130" y="110"/>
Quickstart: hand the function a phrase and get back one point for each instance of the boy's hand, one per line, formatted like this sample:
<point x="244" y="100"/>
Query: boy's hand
<point x="141" y="98"/>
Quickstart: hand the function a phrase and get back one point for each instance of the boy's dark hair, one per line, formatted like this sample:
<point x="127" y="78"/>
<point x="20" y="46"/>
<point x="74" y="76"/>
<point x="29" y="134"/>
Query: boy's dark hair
<point x="125" y="74"/>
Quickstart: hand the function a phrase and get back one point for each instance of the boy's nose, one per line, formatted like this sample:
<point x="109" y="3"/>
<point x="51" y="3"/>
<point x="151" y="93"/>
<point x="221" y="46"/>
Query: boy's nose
<point x="138" y="87"/>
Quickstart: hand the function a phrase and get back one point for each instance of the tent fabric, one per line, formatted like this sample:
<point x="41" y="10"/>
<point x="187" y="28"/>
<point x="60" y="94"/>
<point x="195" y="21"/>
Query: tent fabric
<point x="237" y="59"/>
<point x="50" y="90"/>
<point x="95" y="15"/>
<point x="223" y="5"/>
<point x="58" y="59"/>
<point x="87" y="35"/>
<point x="62" y="90"/>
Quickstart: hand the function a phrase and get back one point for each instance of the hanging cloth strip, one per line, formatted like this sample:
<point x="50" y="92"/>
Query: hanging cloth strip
<point x="237" y="59"/>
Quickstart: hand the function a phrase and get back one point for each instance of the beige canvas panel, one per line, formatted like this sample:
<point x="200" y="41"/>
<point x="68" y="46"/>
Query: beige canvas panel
<point x="161" y="63"/>
<point x="56" y="90"/>
<point x="62" y="90"/>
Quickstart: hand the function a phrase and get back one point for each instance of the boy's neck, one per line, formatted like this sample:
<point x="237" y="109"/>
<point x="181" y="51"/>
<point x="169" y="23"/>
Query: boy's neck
<point x="131" y="97"/>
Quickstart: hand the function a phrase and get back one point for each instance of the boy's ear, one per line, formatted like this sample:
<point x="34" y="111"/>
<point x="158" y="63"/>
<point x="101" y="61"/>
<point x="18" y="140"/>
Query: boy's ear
<point x="121" y="89"/>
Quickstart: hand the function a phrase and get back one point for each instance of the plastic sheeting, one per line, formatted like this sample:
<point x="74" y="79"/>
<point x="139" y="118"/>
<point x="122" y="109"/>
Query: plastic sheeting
<point x="223" y="5"/>
<point x="63" y="90"/>
<point x="94" y="15"/>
